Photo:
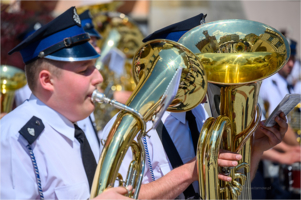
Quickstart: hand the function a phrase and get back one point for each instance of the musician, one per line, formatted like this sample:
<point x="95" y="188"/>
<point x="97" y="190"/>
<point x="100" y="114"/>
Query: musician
<point x="183" y="129"/>
<point x="87" y="124"/>
<point x="44" y="154"/>
<point x="273" y="90"/>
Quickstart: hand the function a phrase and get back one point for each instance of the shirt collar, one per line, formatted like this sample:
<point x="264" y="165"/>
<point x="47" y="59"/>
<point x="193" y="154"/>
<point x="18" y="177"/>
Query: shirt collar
<point x="278" y="78"/>
<point x="181" y="116"/>
<point x="57" y="121"/>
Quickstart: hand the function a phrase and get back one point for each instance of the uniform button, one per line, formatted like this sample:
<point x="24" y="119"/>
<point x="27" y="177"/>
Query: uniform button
<point x="159" y="169"/>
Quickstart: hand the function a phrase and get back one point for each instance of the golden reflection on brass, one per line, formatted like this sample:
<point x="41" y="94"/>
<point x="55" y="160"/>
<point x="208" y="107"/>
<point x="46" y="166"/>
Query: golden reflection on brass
<point x="12" y="79"/>
<point x="193" y="84"/>
<point x="236" y="55"/>
<point x="154" y="66"/>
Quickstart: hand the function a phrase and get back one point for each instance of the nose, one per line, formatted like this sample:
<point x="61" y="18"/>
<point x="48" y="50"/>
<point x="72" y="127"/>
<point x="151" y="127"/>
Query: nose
<point x="97" y="77"/>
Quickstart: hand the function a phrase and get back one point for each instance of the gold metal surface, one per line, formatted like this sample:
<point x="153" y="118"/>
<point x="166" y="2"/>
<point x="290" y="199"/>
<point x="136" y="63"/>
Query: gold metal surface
<point x="236" y="55"/>
<point x="155" y="63"/>
<point x="12" y="79"/>
<point x="237" y="51"/>
<point x="193" y="84"/>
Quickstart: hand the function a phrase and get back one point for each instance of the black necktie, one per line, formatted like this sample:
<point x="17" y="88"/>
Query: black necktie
<point x="289" y="88"/>
<point x="88" y="158"/>
<point x="193" y="128"/>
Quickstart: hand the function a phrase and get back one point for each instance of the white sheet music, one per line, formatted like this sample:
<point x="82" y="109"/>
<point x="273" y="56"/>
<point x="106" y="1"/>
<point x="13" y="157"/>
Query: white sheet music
<point x="286" y="105"/>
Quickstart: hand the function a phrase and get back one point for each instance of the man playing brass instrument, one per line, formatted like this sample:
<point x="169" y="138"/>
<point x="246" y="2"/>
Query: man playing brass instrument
<point x="175" y="174"/>
<point x="44" y="154"/>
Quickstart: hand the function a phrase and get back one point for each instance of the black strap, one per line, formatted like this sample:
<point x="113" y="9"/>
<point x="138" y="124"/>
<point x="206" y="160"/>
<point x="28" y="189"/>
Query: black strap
<point x="95" y="131"/>
<point x="193" y="128"/>
<point x="67" y="42"/>
<point x="173" y="155"/>
<point x="88" y="158"/>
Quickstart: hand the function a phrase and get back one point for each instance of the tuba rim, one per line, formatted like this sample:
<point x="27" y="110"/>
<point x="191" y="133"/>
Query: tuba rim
<point x="192" y="32"/>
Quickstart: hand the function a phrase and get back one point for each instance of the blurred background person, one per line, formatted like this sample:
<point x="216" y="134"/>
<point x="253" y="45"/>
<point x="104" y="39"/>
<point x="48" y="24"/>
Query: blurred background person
<point x="276" y="161"/>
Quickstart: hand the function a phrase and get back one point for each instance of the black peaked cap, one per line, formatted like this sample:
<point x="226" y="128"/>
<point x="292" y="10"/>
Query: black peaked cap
<point x="60" y="23"/>
<point x="179" y="26"/>
<point x="85" y="15"/>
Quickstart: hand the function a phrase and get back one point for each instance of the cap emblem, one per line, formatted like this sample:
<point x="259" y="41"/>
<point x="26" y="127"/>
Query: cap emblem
<point x="76" y="18"/>
<point x="31" y="131"/>
<point x="37" y="26"/>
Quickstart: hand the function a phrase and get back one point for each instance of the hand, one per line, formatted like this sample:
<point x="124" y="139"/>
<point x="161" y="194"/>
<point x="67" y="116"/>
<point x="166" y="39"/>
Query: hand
<point x="268" y="137"/>
<point x="114" y="193"/>
<point x="227" y="159"/>
<point x="290" y="157"/>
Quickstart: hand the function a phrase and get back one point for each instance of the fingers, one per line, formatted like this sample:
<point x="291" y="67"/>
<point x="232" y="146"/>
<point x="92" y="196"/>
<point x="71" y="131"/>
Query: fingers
<point x="121" y="190"/>
<point x="281" y="121"/>
<point x="272" y="133"/>
<point x="228" y="155"/>
<point x="224" y="178"/>
<point x="228" y="158"/>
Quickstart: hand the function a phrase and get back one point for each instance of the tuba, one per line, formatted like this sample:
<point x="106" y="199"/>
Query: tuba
<point x="12" y="79"/>
<point x="236" y="55"/>
<point x="154" y="66"/>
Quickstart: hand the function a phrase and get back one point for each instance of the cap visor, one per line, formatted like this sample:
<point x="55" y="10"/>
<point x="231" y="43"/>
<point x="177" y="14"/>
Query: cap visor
<point x="93" y="33"/>
<point x="80" y="52"/>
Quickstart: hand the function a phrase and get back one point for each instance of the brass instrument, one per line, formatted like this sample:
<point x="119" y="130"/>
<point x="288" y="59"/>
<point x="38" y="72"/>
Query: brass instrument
<point x="12" y="79"/>
<point x="236" y="55"/>
<point x="294" y="120"/>
<point x="119" y="32"/>
<point x="154" y="65"/>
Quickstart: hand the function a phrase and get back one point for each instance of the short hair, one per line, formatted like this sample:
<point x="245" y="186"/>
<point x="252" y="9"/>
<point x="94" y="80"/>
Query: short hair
<point x="33" y="69"/>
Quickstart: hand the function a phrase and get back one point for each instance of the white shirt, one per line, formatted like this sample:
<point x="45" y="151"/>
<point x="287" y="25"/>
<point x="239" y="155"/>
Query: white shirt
<point x="24" y="93"/>
<point x="57" y="154"/>
<point x="178" y="129"/>
<point x="273" y="90"/>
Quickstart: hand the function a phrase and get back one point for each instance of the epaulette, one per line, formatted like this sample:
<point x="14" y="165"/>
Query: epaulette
<point x="32" y="129"/>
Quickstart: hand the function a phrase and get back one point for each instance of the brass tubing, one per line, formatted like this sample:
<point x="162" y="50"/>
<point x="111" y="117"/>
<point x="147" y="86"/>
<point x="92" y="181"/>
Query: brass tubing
<point x="213" y="141"/>
<point x="201" y="155"/>
<point x="250" y="130"/>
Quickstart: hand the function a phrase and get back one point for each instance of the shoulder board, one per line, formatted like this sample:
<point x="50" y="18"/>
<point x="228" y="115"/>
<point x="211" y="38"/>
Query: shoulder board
<point x="32" y="129"/>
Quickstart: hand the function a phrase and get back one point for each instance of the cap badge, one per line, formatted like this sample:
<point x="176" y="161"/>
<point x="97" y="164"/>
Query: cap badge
<point x="31" y="131"/>
<point x="76" y="18"/>
<point x="37" y="26"/>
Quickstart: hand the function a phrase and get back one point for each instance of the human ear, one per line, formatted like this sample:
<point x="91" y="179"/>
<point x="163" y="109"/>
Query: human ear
<point x="45" y="79"/>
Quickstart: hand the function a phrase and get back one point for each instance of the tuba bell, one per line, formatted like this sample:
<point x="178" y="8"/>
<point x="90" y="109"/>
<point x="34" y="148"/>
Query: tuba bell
<point x="236" y="55"/>
<point x="12" y="79"/>
<point x="154" y="65"/>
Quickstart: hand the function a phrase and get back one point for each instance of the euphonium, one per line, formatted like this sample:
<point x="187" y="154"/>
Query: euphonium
<point x="236" y="55"/>
<point x="12" y="79"/>
<point x="154" y="65"/>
